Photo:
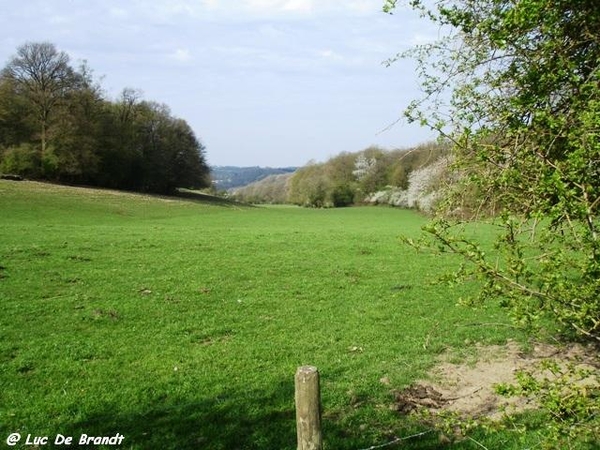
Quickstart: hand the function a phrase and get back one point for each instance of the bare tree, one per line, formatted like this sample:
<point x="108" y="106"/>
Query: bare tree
<point x="128" y="102"/>
<point x="43" y="75"/>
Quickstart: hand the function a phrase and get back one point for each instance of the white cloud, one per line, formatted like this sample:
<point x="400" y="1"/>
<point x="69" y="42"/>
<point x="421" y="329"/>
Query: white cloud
<point x="301" y="6"/>
<point x="177" y="7"/>
<point x="181" y="55"/>
<point x="262" y="7"/>
<point x="210" y="4"/>
<point x="276" y="8"/>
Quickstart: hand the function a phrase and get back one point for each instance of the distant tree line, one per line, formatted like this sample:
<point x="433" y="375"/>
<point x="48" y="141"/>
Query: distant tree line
<point x="373" y="175"/>
<point x="228" y="177"/>
<point x="56" y="124"/>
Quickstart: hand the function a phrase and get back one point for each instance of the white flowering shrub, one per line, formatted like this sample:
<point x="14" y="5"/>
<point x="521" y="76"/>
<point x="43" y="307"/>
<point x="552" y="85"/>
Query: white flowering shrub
<point x="423" y="191"/>
<point x="363" y="166"/>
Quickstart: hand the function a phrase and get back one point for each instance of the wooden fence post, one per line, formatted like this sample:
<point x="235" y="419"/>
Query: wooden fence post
<point x="308" y="409"/>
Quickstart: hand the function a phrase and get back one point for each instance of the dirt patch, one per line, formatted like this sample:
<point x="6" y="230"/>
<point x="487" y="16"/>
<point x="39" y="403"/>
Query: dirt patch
<point x="468" y="388"/>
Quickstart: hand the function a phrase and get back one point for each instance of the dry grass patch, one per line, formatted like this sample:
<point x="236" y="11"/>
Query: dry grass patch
<point x="469" y="388"/>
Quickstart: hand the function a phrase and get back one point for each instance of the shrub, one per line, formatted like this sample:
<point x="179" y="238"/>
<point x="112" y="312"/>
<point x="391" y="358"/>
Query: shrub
<point x="22" y="160"/>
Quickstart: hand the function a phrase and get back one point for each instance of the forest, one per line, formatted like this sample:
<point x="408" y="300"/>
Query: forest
<point x="57" y="124"/>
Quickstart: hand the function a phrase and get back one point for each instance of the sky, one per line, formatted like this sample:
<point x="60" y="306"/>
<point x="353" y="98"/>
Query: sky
<point x="273" y="83"/>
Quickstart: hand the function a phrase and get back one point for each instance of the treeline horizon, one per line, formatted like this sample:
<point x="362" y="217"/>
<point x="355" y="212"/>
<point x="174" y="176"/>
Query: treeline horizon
<point x="56" y="124"/>
<point x="399" y="177"/>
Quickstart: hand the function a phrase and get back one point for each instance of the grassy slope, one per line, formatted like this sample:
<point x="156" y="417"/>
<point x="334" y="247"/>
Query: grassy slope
<point x="180" y="324"/>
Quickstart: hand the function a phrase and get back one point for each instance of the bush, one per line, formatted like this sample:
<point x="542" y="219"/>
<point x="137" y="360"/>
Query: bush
<point x="424" y="189"/>
<point x="342" y="195"/>
<point x="22" y="160"/>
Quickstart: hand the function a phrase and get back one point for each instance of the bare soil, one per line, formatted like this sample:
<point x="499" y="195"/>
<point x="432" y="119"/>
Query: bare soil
<point x="468" y="388"/>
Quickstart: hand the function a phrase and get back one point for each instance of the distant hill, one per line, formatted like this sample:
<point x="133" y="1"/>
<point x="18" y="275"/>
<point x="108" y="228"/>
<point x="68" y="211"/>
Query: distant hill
<point x="229" y="177"/>
<point x="273" y="189"/>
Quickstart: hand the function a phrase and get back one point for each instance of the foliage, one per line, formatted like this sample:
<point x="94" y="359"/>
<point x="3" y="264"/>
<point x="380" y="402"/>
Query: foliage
<point x="515" y="87"/>
<point x="23" y="160"/>
<point x="56" y="125"/>
<point x="308" y="186"/>
<point x="569" y="395"/>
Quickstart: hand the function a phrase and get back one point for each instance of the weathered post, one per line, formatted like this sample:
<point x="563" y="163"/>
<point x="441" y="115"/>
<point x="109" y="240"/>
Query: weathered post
<point x="308" y="409"/>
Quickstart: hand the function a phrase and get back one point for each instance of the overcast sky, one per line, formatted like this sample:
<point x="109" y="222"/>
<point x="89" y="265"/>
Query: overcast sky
<point x="262" y="82"/>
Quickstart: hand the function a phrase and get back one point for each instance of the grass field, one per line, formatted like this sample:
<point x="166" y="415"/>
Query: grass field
<point x="180" y="324"/>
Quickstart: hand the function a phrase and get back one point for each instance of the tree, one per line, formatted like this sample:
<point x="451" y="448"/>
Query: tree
<point x="16" y="121"/>
<point x="77" y="137"/>
<point x="309" y="186"/>
<point x="42" y="75"/>
<point x="376" y="172"/>
<point x="188" y="167"/>
<point x="121" y="158"/>
<point x="341" y="186"/>
<point x="522" y="79"/>
<point x="171" y="154"/>
<point x="524" y="119"/>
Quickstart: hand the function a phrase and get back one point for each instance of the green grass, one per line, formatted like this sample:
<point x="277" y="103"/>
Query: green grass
<point x="180" y="324"/>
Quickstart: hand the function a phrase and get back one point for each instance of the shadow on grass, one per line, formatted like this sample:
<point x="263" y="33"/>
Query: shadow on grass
<point x="210" y="199"/>
<point x="246" y="420"/>
<point x="242" y="420"/>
